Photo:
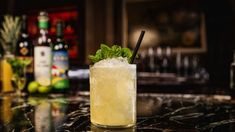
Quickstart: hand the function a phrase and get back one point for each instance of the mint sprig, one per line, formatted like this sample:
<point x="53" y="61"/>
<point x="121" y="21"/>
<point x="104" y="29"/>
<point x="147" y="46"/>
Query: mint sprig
<point x="110" y="52"/>
<point x="18" y="65"/>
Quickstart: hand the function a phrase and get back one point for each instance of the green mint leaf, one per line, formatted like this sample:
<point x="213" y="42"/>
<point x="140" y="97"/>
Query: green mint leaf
<point x="127" y="53"/>
<point x="18" y="64"/>
<point x="93" y="58"/>
<point x="110" y="52"/>
<point x="104" y="47"/>
<point x="105" y="51"/>
<point x="116" y="50"/>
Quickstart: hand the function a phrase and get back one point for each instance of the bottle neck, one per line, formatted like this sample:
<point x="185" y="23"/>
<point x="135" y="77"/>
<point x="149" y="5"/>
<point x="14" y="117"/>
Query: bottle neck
<point x="43" y="27"/>
<point x="59" y="33"/>
<point x="24" y="28"/>
<point x="43" y="36"/>
<point x="43" y="31"/>
<point x="59" y="39"/>
<point x="59" y="29"/>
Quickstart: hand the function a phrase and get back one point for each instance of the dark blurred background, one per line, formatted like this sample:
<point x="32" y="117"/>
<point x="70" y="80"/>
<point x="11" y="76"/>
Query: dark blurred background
<point x="107" y="21"/>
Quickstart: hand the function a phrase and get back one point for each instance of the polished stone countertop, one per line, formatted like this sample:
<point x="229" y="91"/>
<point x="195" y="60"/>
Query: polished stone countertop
<point x="155" y="112"/>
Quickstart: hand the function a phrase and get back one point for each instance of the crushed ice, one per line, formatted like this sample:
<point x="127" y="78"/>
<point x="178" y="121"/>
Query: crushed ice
<point x="111" y="62"/>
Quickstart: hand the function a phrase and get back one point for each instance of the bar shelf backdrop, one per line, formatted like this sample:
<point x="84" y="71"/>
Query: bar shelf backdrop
<point x="111" y="21"/>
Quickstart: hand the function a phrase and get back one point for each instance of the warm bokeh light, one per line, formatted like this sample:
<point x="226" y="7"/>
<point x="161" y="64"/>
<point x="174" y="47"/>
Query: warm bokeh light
<point x="150" y="39"/>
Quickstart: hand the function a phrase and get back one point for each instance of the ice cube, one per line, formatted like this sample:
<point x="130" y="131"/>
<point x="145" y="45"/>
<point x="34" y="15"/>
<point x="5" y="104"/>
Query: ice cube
<point x="111" y="62"/>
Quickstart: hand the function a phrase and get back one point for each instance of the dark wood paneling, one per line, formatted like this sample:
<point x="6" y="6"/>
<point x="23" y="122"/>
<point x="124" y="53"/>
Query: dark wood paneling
<point x="220" y="25"/>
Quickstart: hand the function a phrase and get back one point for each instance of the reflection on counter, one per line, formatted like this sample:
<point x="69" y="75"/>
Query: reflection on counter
<point x="5" y="112"/>
<point x="155" y="112"/>
<point x="43" y="117"/>
<point x="38" y="114"/>
<point x="48" y="114"/>
<point x="14" y="115"/>
<point x="93" y="128"/>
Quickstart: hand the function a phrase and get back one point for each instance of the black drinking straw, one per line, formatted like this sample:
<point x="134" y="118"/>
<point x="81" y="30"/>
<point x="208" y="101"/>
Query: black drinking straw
<point x="137" y="47"/>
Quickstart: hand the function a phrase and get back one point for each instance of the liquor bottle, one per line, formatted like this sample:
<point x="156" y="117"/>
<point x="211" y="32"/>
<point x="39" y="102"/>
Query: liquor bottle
<point x="158" y="60"/>
<point x="151" y="60"/>
<point x="24" y="44"/>
<point x="178" y="65"/>
<point x="60" y="61"/>
<point x="186" y="66"/>
<point x="24" y="48"/>
<point x="166" y="61"/>
<point x="232" y="73"/>
<point x="232" y="77"/>
<point x="43" y="52"/>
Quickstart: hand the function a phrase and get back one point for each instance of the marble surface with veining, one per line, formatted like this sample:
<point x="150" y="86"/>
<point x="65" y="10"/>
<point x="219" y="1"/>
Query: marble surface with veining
<point x="155" y="112"/>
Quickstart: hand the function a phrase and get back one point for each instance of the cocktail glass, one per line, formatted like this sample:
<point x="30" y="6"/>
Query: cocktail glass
<point x="19" y="74"/>
<point x="19" y="80"/>
<point x="113" y="96"/>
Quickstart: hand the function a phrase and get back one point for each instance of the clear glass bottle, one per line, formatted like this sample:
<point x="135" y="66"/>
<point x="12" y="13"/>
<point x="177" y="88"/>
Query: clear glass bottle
<point x="158" y="60"/>
<point x="43" y="52"/>
<point x="166" y="62"/>
<point x="232" y="73"/>
<point x="178" y="64"/>
<point x="151" y="60"/>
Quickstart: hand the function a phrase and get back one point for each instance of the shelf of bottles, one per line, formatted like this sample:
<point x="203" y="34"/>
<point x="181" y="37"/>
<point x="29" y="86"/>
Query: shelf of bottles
<point x="70" y="30"/>
<point x="49" y="40"/>
<point x="161" y="66"/>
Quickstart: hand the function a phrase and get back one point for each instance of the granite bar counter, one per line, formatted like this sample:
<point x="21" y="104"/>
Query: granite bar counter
<point x="155" y="112"/>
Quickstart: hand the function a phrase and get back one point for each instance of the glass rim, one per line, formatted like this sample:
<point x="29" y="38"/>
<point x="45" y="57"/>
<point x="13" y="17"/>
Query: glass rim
<point x="105" y="66"/>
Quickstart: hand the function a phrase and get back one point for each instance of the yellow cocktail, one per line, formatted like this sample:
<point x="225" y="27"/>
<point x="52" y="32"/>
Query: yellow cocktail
<point x="113" y="93"/>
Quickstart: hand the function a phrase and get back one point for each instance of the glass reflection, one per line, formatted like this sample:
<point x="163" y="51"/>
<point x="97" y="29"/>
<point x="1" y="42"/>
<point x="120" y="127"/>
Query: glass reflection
<point x="98" y="129"/>
<point x="14" y="115"/>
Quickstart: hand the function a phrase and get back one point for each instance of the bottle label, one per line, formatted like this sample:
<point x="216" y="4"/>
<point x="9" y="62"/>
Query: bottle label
<point x="60" y="64"/>
<point x="42" y="65"/>
<point x="43" y="24"/>
<point x="24" y="51"/>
